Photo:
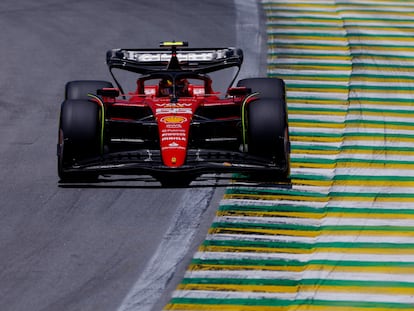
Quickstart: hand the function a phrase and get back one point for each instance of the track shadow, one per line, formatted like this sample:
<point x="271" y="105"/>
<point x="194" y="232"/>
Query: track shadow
<point x="144" y="182"/>
<point x="147" y="182"/>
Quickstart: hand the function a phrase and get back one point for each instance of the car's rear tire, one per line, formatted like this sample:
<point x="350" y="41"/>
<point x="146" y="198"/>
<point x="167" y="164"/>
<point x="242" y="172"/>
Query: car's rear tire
<point x="79" y="136"/>
<point x="266" y="87"/>
<point x="79" y="89"/>
<point x="267" y="122"/>
<point x="266" y="129"/>
<point x="272" y="88"/>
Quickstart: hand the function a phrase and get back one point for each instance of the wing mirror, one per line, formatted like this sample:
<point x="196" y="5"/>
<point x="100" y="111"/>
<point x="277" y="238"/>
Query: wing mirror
<point x="108" y="92"/>
<point x="239" y="91"/>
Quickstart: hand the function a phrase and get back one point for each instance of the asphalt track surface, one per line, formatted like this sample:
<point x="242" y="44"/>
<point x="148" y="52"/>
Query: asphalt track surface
<point x="84" y="247"/>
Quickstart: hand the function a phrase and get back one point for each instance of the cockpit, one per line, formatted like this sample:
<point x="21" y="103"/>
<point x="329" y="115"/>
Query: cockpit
<point x="174" y="85"/>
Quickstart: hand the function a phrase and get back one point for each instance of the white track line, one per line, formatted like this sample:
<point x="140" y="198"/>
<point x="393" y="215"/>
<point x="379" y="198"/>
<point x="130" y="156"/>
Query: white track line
<point x="172" y="249"/>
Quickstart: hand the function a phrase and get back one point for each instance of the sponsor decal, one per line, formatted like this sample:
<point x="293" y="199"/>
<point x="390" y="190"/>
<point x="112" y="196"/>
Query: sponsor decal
<point x="198" y="91"/>
<point x="175" y="105"/>
<point x="173" y="110"/>
<point x="174" y="139"/>
<point x="173" y="147"/>
<point x="174" y="127"/>
<point x="150" y="91"/>
<point x="174" y="136"/>
<point x="173" y="119"/>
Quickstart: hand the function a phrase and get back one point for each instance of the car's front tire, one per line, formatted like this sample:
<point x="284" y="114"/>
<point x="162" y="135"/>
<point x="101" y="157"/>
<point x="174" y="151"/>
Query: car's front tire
<point x="79" y="137"/>
<point x="267" y="122"/>
<point x="80" y="127"/>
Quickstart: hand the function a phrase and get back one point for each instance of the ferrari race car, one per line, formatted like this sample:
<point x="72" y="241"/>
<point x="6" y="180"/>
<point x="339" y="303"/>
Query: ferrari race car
<point x="172" y="125"/>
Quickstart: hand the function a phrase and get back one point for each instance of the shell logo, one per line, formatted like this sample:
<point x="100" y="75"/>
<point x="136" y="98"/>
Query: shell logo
<point x="173" y="119"/>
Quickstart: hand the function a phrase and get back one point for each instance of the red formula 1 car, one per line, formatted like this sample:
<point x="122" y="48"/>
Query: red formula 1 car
<point x="173" y="125"/>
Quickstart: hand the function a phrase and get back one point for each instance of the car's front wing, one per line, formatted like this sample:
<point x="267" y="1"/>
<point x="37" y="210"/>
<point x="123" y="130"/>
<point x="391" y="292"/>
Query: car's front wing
<point x="200" y="161"/>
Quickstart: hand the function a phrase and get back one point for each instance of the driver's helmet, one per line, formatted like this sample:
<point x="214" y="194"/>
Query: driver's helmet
<point x="181" y="86"/>
<point x="165" y="87"/>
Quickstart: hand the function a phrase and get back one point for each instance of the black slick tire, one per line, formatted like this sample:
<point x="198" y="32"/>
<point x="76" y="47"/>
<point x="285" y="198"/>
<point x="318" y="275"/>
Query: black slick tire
<point x="79" y="137"/>
<point x="267" y="122"/>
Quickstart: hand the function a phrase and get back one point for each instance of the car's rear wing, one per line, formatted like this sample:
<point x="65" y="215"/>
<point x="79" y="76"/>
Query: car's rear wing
<point x="146" y="61"/>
